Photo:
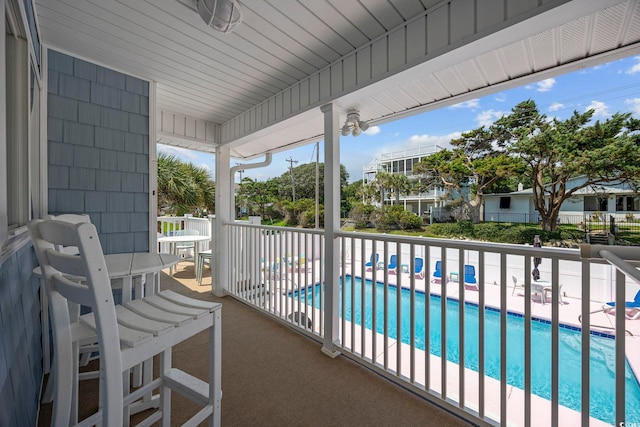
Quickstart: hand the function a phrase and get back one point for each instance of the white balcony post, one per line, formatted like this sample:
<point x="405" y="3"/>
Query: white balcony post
<point x="331" y="226"/>
<point x="224" y="213"/>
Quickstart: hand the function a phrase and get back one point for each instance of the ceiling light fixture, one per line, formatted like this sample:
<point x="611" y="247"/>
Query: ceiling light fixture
<point x="222" y="15"/>
<point x="353" y="124"/>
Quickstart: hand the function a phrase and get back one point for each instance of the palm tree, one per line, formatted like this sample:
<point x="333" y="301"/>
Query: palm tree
<point x="183" y="187"/>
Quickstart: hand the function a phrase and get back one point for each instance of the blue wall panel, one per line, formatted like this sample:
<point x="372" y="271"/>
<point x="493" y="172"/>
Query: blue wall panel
<point x="99" y="149"/>
<point x="20" y="340"/>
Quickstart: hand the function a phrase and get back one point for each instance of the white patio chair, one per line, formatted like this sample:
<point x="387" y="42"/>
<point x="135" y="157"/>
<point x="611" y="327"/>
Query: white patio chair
<point x="126" y="335"/>
<point x="516" y="285"/>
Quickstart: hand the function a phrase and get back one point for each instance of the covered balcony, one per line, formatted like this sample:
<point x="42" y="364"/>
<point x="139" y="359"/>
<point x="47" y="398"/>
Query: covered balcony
<point x="91" y="87"/>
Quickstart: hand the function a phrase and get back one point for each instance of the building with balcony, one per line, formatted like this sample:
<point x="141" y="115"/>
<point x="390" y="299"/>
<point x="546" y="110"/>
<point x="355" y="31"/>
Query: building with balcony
<point x="401" y="162"/>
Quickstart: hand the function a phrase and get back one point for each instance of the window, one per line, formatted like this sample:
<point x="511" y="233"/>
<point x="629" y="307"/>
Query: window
<point x="595" y="203"/>
<point x="505" y="202"/>
<point x="627" y="203"/>
<point x="19" y="126"/>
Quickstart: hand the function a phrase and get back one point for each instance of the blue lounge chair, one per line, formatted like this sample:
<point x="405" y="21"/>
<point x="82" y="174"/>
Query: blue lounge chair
<point x="470" y="275"/>
<point x="632" y="308"/>
<point x="628" y="304"/>
<point x="393" y="264"/>
<point x="437" y="273"/>
<point x="369" y="265"/>
<point x="418" y="269"/>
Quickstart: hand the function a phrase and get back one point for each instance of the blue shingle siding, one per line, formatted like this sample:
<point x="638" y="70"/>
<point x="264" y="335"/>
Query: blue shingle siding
<point x="89" y="113"/>
<point x="58" y="176"/>
<point x="142" y="163"/>
<point x="78" y="133"/>
<point x="133" y="182"/>
<point x="96" y="201"/>
<point x="62" y="108"/>
<point x="86" y="157"/>
<point x="108" y="160"/>
<point x="69" y="201"/>
<point x="135" y="85"/>
<point x="85" y="70"/>
<point x="75" y="88"/>
<point x="130" y="102"/>
<point x="108" y="181"/>
<point x="120" y="202"/>
<point x="82" y="179"/>
<point x="141" y="202"/>
<point x="126" y="162"/>
<point x="139" y="124"/>
<point x="110" y="139"/>
<point x="111" y="78"/>
<point x="52" y="82"/>
<point x="60" y="62"/>
<point x="141" y="242"/>
<point x="60" y="154"/>
<point x="99" y="150"/>
<point x="134" y="143"/>
<point x="20" y="339"/>
<point x="114" y="119"/>
<point x="105" y="96"/>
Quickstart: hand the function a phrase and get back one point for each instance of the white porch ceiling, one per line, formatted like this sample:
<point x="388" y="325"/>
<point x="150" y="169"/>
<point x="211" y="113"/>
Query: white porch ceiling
<point x="207" y="76"/>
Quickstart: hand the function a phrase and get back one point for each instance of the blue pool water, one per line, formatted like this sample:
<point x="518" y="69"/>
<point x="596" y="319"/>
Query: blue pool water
<point x="602" y="348"/>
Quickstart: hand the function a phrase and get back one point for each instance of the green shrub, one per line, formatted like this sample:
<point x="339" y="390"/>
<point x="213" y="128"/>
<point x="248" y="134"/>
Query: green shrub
<point x="361" y="214"/>
<point x="410" y="221"/>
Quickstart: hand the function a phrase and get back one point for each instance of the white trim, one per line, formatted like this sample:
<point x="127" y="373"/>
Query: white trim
<point x="44" y="135"/>
<point x="3" y="131"/>
<point x="17" y="239"/>
<point x="153" y="170"/>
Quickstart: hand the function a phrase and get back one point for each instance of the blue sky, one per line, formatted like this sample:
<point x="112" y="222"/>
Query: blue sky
<point x="609" y="88"/>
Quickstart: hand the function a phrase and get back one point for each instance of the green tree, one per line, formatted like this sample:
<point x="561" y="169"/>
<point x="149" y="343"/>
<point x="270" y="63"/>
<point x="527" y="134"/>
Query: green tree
<point x="183" y="187"/>
<point x="304" y="179"/>
<point x="469" y="169"/>
<point x="555" y="151"/>
<point x="257" y="196"/>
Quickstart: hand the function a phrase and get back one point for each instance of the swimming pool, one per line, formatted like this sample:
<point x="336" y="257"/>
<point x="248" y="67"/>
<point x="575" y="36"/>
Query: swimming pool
<point x="570" y="350"/>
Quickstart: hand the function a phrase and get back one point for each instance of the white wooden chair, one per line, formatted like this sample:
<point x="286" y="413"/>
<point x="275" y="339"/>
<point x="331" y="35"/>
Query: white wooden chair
<point x="126" y="335"/>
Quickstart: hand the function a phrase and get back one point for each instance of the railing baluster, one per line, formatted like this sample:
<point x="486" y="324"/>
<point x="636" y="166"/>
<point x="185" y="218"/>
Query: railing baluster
<point x="363" y="288"/>
<point x="443" y="324"/>
<point x="427" y="319"/>
<point x="412" y="313"/>
<point x="481" y="348"/>
<point x="399" y="310"/>
<point x="461" y="291"/>
<point x="374" y="305"/>
<point x="586" y="342"/>
<point x="555" y="342"/>
<point x="503" y="340"/>
<point x="385" y="306"/>
<point x="527" y="344"/>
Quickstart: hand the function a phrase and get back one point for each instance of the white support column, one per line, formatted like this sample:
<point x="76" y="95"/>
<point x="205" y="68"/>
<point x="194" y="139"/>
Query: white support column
<point x="331" y="226"/>
<point x="224" y="213"/>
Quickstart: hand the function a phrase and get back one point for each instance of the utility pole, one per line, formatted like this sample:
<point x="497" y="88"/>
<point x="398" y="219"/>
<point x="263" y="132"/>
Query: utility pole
<point x="293" y="187"/>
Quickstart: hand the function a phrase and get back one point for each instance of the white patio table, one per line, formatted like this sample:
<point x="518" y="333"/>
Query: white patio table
<point x="174" y="240"/>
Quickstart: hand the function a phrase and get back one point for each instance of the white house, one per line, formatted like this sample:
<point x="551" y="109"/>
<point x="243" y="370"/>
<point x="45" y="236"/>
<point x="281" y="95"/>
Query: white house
<point x="615" y="199"/>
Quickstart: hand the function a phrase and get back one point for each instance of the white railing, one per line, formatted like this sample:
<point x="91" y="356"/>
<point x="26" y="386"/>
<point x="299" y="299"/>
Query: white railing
<point x="267" y="271"/>
<point x="168" y="225"/>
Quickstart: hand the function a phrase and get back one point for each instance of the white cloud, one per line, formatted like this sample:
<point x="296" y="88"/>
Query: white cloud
<point x="373" y="130"/>
<point x="556" y="106"/>
<point x="634" y="105"/>
<point x="546" y="85"/>
<point x="487" y="117"/>
<point x="501" y="97"/>
<point x="601" y="109"/>
<point x="472" y="103"/>
<point x="635" y="68"/>
<point x="182" y="153"/>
